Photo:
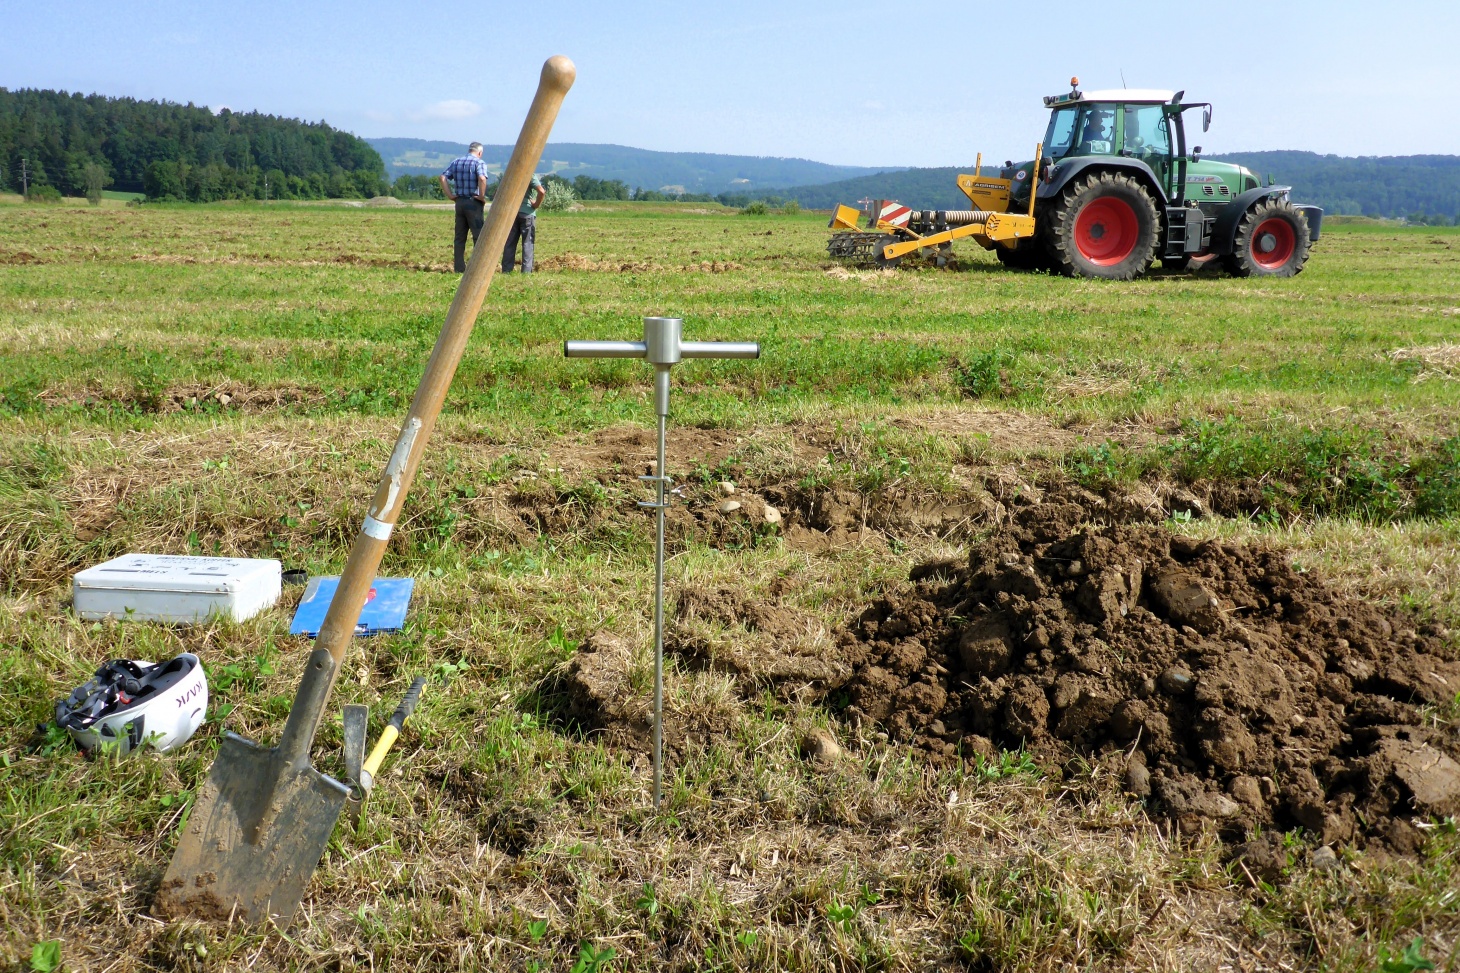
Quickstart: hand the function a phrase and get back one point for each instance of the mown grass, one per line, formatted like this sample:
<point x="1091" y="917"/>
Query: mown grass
<point x="1295" y="469"/>
<point x="329" y="303"/>
<point x="227" y="379"/>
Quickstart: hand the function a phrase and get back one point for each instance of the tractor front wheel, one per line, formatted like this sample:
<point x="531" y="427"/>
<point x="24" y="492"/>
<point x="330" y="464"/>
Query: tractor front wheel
<point x="1103" y="225"/>
<point x="1272" y="241"/>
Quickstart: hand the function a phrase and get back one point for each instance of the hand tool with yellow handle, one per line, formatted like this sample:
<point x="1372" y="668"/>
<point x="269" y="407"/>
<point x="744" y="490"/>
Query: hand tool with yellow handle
<point x="389" y="734"/>
<point x="263" y="817"/>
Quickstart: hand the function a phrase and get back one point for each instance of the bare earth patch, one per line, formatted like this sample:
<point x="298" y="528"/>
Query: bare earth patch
<point x="578" y="262"/>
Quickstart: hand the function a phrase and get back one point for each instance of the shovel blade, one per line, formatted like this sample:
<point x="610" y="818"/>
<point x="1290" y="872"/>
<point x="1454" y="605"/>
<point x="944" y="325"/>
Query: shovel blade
<point x="255" y="835"/>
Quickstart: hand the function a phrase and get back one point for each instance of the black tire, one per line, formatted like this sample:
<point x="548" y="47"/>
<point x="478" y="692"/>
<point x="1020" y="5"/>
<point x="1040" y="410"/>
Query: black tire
<point x="1176" y="264"/>
<point x="877" y="258"/>
<point x="1028" y="254"/>
<point x="1272" y="241"/>
<point x="1102" y="225"/>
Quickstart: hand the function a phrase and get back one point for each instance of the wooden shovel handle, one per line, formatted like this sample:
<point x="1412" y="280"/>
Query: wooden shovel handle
<point x="339" y="624"/>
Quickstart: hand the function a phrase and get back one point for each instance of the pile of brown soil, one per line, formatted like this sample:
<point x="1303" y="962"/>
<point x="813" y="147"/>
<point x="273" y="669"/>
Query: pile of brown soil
<point x="1221" y="682"/>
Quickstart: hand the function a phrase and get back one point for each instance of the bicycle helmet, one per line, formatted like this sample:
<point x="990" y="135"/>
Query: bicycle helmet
<point x="131" y="702"/>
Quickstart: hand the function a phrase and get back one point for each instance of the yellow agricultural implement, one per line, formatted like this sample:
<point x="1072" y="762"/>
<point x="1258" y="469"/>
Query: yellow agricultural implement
<point x="894" y="230"/>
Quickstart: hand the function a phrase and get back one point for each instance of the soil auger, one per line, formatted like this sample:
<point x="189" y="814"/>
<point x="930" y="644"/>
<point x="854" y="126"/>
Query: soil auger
<point x="898" y="230"/>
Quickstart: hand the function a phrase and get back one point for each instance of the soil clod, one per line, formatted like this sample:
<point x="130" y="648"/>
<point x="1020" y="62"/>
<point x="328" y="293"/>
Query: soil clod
<point x="758" y="642"/>
<point x="820" y="749"/>
<point x="600" y="699"/>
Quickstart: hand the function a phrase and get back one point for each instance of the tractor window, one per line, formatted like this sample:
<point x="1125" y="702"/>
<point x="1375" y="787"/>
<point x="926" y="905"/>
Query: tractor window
<point x="1061" y="132"/>
<point x="1081" y="130"/>
<point x="1146" y="134"/>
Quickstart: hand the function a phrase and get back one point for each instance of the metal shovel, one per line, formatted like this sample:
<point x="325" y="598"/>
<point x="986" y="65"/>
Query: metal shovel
<point x="263" y="818"/>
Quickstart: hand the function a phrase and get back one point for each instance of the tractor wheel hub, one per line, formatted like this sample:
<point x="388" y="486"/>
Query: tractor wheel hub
<point x="1106" y="230"/>
<point x="1267" y="243"/>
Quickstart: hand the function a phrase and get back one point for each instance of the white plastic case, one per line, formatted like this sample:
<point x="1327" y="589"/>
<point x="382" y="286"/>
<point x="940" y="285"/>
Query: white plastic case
<point x="176" y="588"/>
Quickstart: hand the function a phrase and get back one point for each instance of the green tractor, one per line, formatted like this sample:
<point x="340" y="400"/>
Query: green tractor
<point x="1118" y="188"/>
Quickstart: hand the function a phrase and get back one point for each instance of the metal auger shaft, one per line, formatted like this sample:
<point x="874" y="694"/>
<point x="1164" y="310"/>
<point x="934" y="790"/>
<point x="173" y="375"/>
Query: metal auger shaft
<point x="663" y="348"/>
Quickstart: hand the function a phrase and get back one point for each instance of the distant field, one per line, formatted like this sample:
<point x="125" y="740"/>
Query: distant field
<point x="698" y="172"/>
<point x="273" y="283"/>
<point x="228" y="379"/>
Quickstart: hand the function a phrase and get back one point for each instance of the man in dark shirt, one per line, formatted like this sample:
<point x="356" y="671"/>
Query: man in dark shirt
<point x="465" y="181"/>
<point x="524" y="228"/>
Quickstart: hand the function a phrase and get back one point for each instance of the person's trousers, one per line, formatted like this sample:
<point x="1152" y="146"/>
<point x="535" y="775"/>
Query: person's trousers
<point x="470" y="213"/>
<point x="524" y="228"/>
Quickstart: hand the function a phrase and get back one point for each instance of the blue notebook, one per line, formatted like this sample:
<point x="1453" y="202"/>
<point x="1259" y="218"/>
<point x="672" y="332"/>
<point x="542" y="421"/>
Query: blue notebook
<point x="385" y="606"/>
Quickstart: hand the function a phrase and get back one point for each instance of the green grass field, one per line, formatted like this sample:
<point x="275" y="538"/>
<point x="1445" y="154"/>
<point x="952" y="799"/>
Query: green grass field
<point x="229" y="379"/>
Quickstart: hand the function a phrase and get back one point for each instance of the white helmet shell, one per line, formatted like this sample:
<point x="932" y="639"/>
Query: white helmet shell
<point x="129" y="704"/>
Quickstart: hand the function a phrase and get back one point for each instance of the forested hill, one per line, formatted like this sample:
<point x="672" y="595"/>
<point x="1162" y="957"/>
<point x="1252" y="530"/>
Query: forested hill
<point x="177" y="151"/>
<point x="671" y="172"/>
<point x="1416" y="187"/>
<point x="1421" y="188"/>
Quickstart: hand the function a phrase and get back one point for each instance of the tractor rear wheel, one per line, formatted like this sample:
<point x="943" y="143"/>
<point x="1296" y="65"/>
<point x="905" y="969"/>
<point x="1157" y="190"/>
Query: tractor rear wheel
<point x="1103" y="225"/>
<point x="1272" y="241"/>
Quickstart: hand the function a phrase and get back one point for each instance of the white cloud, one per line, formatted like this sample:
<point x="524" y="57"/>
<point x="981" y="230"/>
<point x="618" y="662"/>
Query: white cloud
<point x="379" y="116"/>
<point x="453" y="109"/>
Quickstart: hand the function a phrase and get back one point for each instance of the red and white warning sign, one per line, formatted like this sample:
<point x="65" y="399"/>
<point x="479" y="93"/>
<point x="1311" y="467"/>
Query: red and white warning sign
<point x="893" y="212"/>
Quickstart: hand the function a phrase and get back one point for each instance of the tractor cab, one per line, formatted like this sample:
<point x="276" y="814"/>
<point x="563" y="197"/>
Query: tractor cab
<point x="1144" y="125"/>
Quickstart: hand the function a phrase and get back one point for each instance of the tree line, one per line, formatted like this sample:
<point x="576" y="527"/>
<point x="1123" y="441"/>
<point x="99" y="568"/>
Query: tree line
<point x="57" y="142"/>
<point x="589" y="188"/>
<point x="1419" y="188"/>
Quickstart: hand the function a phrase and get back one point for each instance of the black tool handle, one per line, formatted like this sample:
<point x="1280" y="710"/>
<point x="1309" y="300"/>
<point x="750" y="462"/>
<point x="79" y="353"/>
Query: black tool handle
<point x="408" y="705"/>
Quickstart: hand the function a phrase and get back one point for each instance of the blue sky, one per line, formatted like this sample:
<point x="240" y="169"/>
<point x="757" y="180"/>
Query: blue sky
<point x="861" y="83"/>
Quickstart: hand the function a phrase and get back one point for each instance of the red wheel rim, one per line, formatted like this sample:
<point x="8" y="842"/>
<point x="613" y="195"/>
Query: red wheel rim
<point x="1106" y="231"/>
<point x="1273" y="243"/>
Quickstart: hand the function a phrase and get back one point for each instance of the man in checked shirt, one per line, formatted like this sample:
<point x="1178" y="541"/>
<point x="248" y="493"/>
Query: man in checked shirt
<point x="465" y="181"/>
